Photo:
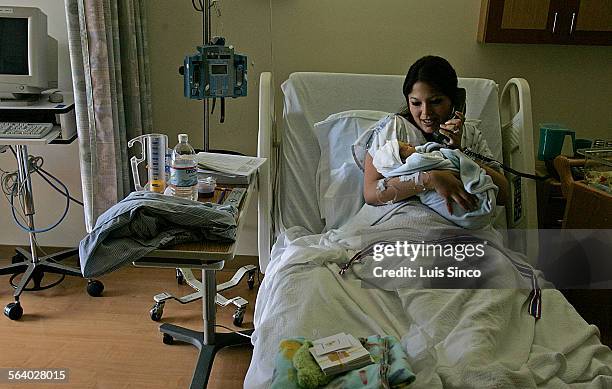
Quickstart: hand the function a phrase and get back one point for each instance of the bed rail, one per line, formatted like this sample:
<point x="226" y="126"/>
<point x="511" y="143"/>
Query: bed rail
<point x="265" y="178"/>
<point x="518" y="153"/>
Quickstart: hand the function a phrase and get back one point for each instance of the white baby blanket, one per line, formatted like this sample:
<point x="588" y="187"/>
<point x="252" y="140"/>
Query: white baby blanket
<point x="432" y="156"/>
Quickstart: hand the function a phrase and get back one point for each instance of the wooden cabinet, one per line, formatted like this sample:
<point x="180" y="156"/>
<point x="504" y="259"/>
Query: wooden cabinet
<point x="593" y="20"/>
<point x="579" y="22"/>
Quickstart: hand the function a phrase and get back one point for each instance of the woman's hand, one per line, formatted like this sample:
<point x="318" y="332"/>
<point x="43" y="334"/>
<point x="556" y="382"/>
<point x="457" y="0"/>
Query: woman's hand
<point x="405" y="150"/>
<point x="448" y="185"/>
<point x="453" y="130"/>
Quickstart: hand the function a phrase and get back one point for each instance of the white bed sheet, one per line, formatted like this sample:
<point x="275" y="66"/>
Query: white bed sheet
<point x="453" y="338"/>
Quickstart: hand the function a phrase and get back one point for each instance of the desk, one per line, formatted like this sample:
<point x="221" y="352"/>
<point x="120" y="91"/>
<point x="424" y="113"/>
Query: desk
<point x="210" y="257"/>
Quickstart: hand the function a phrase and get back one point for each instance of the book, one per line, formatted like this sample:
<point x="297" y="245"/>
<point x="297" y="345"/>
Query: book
<point x="339" y="353"/>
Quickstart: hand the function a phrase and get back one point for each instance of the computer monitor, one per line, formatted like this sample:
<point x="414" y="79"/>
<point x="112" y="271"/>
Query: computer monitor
<point x="26" y="60"/>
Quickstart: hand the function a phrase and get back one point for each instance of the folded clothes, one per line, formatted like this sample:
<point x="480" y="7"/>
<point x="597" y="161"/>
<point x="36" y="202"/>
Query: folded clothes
<point x="389" y="370"/>
<point x="145" y="221"/>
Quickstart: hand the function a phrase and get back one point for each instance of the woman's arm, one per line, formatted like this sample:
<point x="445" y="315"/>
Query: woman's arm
<point x="396" y="190"/>
<point x="498" y="179"/>
<point x="445" y="182"/>
<point x="475" y="140"/>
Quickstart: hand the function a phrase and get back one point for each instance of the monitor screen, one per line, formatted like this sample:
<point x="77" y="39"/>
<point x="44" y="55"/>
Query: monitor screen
<point x="14" y="46"/>
<point x="218" y="69"/>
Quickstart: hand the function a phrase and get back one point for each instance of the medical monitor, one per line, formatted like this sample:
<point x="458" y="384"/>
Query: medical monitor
<point x="26" y="60"/>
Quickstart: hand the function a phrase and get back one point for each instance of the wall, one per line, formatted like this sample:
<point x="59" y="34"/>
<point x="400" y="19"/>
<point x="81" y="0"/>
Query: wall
<point x="59" y="160"/>
<point x="571" y="85"/>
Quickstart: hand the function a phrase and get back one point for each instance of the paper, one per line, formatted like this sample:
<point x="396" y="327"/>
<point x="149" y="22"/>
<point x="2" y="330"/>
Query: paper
<point x="216" y="172"/>
<point x="339" y="353"/>
<point x="331" y="343"/>
<point x="230" y="164"/>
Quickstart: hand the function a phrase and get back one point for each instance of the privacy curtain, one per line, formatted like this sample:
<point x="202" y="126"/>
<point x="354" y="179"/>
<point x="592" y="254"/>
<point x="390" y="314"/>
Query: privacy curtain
<point x="107" y="40"/>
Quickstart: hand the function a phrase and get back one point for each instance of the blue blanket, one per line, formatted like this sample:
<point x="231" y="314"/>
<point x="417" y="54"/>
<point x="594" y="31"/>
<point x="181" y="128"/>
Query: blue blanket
<point x="145" y="221"/>
<point x="476" y="181"/>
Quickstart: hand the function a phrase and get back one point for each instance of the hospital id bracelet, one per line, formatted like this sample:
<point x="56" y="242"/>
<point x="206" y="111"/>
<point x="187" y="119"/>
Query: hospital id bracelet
<point x="381" y="186"/>
<point x="416" y="181"/>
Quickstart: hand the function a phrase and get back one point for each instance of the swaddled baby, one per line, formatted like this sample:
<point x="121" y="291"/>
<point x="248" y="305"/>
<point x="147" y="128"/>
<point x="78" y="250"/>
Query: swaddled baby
<point x="382" y="143"/>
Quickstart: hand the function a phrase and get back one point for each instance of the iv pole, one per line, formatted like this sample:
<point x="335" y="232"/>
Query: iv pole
<point x="206" y="40"/>
<point x="208" y="341"/>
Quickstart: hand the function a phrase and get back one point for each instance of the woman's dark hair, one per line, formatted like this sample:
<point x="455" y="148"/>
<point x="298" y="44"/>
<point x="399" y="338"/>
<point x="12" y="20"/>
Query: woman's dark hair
<point x="435" y="71"/>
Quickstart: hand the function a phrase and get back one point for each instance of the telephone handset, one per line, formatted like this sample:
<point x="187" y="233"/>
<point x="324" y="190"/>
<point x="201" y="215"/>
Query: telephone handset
<point x="459" y="106"/>
<point x="439" y="138"/>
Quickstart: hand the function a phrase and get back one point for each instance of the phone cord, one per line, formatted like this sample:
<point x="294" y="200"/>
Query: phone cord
<point x="475" y="155"/>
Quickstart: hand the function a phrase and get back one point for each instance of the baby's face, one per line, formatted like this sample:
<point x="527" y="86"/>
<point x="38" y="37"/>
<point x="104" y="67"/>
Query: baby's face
<point x="406" y="149"/>
<point x="406" y="146"/>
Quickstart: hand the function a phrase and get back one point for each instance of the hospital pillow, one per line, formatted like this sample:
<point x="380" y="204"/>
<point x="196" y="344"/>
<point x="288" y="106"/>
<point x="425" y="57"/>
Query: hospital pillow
<point x="339" y="179"/>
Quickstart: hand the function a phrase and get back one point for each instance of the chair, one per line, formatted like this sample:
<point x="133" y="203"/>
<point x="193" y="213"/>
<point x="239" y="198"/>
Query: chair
<point x="586" y="207"/>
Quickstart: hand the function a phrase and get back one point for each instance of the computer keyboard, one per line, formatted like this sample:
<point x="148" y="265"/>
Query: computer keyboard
<point x="24" y="130"/>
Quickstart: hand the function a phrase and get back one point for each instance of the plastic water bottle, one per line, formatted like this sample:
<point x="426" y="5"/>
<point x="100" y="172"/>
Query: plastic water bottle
<point x="183" y="170"/>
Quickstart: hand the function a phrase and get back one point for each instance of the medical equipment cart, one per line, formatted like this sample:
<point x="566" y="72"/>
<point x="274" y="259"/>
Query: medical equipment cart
<point x="33" y="267"/>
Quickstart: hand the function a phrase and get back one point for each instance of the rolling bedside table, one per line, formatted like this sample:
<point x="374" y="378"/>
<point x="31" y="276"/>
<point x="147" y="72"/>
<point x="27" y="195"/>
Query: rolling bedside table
<point x="210" y="257"/>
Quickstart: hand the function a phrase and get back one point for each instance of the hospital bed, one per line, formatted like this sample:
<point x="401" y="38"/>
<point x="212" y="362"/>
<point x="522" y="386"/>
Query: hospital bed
<point x="311" y="189"/>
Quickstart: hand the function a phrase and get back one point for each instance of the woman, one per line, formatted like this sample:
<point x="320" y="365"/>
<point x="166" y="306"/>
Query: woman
<point x="430" y="89"/>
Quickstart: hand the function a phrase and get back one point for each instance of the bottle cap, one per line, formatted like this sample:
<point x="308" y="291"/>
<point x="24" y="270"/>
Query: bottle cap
<point x="183" y="138"/>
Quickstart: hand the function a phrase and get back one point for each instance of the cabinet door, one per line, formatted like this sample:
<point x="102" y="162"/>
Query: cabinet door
<point x="590" y="22"/>
<point x="520" y="21"/>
